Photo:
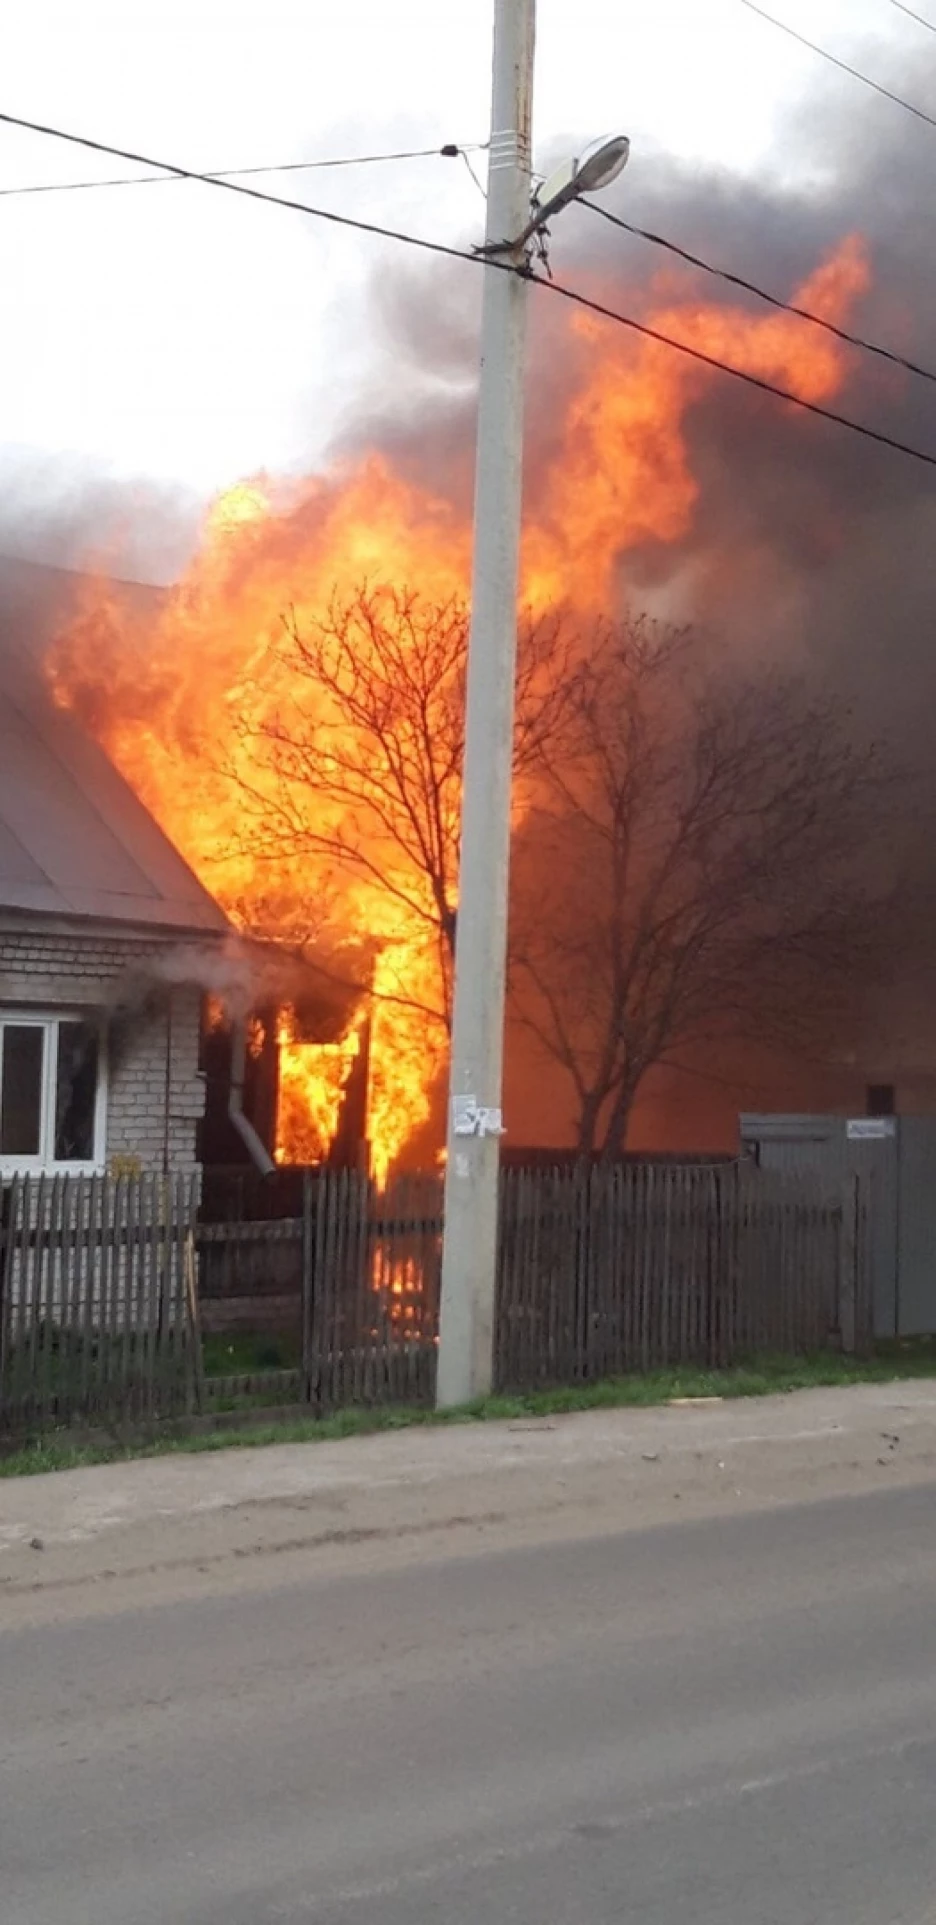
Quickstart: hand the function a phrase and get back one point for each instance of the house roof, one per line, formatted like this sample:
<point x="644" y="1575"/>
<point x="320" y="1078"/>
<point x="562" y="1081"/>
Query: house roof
<point x="74" y="839"/>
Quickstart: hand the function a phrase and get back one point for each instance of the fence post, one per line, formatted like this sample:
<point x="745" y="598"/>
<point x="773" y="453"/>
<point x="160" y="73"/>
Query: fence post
<point x="307" y="1262"/>
<point x="848" y="1268"/>
<point x="7" y="1220"/>
<point x="196" y="1371"/>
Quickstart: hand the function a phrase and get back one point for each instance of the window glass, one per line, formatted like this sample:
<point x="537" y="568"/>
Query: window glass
<point x="76" y="1080"/>
<point x="21" y="1051"/>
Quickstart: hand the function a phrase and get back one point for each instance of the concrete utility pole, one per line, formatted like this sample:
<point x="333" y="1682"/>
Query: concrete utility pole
<point x="469" y="1256"/>
<point x="474" y="1124"/>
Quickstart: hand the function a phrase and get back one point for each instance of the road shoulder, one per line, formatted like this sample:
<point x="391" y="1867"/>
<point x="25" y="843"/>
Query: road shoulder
<point x="114" y="1536"/>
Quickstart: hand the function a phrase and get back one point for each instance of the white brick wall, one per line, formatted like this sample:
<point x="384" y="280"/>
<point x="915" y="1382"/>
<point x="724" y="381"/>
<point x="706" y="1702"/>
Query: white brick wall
<point x="150" y="1022"/>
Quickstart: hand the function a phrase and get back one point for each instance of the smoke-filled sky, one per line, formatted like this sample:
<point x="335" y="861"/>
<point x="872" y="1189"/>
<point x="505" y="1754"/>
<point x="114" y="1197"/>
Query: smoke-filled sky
<point x="160" y="342"/>
<point x="166" y="341"/>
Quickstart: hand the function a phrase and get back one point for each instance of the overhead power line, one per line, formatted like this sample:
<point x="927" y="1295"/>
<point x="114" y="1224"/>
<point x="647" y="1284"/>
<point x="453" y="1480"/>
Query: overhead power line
<point x="239" y="187"/>
<point x="844" y="66"/>
<point x="921" y="18"/>
<point x="476" y="259"/>
<point x="452" y="150"/>
<point x="773" y="300"/>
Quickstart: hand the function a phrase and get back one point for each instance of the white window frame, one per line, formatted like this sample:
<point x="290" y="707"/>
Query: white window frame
<point x="48" y="1021"/>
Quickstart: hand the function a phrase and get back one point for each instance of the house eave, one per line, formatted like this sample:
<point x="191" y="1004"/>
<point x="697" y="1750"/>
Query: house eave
<point x="17" y="917"/>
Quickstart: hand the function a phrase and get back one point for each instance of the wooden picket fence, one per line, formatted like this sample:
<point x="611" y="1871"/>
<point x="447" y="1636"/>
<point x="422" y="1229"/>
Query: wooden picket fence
<point x="601" y="1270"/>
<point x="637" y="1266"/>
<point x="371" y="1308"/>
<point x="97" y="1283"/>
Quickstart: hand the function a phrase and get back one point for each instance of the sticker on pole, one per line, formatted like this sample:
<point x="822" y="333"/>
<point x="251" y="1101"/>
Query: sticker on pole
<point x="471" y="1118"/>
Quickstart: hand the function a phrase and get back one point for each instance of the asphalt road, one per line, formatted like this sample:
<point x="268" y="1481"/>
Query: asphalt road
<point x="731" y="1720"/>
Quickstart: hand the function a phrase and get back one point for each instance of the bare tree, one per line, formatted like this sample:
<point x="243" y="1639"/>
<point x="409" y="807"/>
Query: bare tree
<point x="360" y="766"/>
<point x="700" y="868"/>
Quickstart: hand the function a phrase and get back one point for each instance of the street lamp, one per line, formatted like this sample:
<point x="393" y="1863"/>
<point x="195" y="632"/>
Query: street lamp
<point x="469" y="1253"/>
<point x="600" y="164"/>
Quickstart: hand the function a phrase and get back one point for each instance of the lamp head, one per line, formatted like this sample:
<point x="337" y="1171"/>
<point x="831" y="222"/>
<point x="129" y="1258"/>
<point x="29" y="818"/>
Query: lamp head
<point x="600" y="163"/>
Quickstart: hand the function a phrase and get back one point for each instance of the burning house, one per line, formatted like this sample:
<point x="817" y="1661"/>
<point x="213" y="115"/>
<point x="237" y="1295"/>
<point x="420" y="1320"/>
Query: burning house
<point x="138" y="1030"/>
<point x="654" y="482"/>
<point x="255" y="709"/>
<point x="104" y="931"/>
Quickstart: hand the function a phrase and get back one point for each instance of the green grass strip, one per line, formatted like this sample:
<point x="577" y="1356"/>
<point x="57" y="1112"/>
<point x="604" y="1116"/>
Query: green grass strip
<point x="758" y="1378"/>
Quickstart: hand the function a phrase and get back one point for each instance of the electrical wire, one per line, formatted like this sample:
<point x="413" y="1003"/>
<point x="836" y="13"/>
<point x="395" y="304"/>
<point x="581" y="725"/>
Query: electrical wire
<point x="921" y="18"/>
<point x="450" y="151"/>
<point x="919" y="113"/>
<point x="250" y="193"/>
<point x="477" y="259"/>
<point x="478" y="183"/>
<point x="773" y="300"/>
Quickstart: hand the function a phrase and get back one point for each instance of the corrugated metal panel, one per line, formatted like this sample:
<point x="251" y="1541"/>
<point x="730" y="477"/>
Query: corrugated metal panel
<point x="916" y="1219"/>
<point x="820" y="1145"/>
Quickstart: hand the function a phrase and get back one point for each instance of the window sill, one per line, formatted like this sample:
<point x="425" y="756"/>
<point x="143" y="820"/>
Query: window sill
<point x="24" y="1166"/>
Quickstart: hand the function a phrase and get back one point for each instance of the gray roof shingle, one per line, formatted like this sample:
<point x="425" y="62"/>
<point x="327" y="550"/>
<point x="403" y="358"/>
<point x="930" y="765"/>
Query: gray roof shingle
<point x="74" y="839"/>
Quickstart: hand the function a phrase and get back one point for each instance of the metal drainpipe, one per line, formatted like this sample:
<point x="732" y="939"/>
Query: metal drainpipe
<point x="259" y="1154"/>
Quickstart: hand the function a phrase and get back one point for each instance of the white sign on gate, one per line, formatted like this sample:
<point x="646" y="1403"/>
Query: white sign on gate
<point x="869" y="1129"/>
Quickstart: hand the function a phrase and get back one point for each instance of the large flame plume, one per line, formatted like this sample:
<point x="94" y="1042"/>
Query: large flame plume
<point x="169" y="697"/>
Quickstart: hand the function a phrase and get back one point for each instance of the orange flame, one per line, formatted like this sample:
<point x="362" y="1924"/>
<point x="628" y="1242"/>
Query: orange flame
<point x="169" y="697"/>
<point x="312" y="1082"/>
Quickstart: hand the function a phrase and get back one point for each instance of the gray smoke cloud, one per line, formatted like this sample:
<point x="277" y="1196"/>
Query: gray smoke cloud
<point x="805" y="534"/>
<point x="63" y="512"/>
<point x="808" y="543"/>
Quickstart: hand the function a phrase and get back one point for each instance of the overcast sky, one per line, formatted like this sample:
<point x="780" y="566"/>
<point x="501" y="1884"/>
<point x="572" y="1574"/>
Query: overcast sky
<point x="175" y="334"/>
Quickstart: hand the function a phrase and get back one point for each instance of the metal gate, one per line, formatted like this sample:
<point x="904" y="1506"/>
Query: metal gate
<point x="896" y="1159"/>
